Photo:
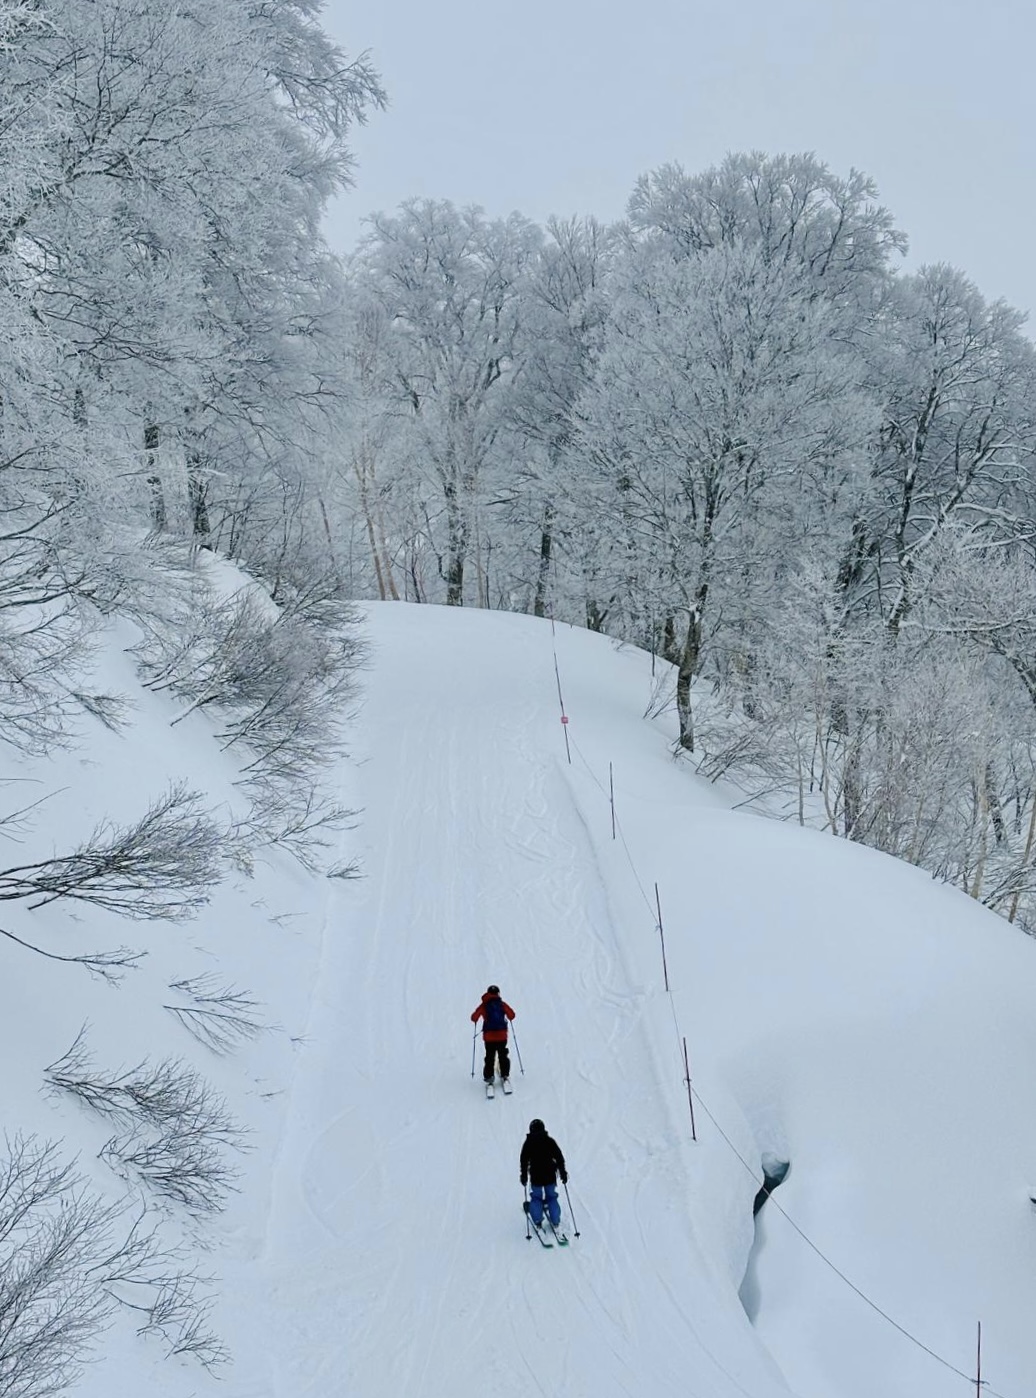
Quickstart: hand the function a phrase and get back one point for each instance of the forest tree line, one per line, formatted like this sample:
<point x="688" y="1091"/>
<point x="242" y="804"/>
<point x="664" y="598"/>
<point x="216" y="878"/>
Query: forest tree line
<point x="730" y="429"/>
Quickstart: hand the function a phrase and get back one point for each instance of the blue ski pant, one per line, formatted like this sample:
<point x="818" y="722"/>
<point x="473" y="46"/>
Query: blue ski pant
<point x="540" y="1195"/>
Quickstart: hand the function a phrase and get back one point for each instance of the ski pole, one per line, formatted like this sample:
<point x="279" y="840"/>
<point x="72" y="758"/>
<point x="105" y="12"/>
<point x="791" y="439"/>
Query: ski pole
<point x="473" y="1038"/>
<point x="571" y="1215"/>
<point x="518" y="1051"/>
<point x="525" y="1206"/>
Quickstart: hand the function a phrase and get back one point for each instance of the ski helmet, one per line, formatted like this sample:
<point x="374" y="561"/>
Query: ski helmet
<point x="493" y="990"/>
<point x="536" y="1125"/>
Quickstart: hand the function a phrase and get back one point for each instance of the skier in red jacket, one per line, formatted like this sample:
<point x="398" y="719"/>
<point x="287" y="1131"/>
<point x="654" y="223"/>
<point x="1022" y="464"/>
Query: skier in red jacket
<point x="495" y="1014"/>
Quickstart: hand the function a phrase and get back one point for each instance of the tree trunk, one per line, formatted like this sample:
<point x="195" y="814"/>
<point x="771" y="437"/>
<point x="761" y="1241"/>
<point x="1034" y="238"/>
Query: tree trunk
<point x="159" y="518"/>
<point x="197" y="498"/>
<point x="686" y="669"/>
<point x="852" y="791"/>
<point x="670" y="647"/>
<point x="372" y="540"/>
<point x="455" y="580"/>
<point x="1026" y="853"/>
<point x="996" y="811"/>
<point x="596" y="616"/>
<point x="363" y="466"/>
<point x="539" y="606"/>
<point x="982" y="817"/>
<point x="456" y="549"/>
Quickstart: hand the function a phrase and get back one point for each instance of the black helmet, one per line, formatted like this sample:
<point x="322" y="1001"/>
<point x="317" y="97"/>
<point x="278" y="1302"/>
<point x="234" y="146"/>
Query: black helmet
<point x="493" y="990"/>
<point x="536" y="1125"/>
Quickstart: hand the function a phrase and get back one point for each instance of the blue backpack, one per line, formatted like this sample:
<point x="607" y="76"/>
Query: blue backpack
<point x="493" y="1014"/>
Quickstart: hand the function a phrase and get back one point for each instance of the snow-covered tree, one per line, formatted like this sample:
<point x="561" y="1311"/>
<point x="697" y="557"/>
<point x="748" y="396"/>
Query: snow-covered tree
<point x="566" y="305"/>
<point x="719" y="415"/>
<point x="792" y="208"/>
<point x="159" y="223"/>
<point x="957" y="381"/>
<point x="451" y="285"/>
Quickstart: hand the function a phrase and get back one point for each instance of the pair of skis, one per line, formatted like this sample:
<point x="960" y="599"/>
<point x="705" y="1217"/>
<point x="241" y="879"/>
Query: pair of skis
<point x="491" y="1090"/>
<point x="540" y="1230"/>
<point x="560" y="1238"/>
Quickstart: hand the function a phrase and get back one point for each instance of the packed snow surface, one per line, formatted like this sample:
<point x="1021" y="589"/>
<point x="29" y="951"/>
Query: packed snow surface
<point x="841" y="1012"/>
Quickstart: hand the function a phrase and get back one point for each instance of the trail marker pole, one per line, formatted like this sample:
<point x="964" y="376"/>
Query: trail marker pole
<point x="611" y="795"/>
<point x="978" y="1370"/>
<point x="661" y="936"/>
<point x="564" y="716"/>
<point x="690" y="1095"/>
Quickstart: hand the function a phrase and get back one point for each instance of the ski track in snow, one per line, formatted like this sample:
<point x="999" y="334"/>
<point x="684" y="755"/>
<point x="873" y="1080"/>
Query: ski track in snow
<point x="397" y="1228"/>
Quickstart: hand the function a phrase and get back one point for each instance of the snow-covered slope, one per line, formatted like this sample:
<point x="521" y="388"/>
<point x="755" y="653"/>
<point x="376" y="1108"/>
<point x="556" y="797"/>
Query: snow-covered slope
<point x="397" y="1251"/>
<point x="840" y="1011"/>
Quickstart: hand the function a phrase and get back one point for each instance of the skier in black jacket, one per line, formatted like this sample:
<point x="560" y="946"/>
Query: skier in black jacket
<point x="542" y="1163"/>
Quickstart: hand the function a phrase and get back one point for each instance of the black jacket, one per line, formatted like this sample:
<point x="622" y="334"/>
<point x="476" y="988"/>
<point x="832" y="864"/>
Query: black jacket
<point x="541" y="1159"/>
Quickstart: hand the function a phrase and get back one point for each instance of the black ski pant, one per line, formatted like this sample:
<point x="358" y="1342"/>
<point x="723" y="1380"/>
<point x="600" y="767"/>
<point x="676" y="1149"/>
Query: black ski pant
<point x="496" y="1051"/>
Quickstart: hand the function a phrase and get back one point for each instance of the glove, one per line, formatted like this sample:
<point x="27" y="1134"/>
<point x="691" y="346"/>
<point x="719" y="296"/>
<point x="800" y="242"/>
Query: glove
<point x="522" y="1178"/>
<point x="564" y="1177"/>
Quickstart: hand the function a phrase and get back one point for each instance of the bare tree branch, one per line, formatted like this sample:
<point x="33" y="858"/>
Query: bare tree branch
<point x="173" y="1127"/>
<point x="161" y="867"/>
<point x="220" y="1017"/>
<point x="109" y="965"/>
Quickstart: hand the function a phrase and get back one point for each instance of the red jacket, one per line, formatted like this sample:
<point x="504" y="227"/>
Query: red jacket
<point x="492" y="1036"/>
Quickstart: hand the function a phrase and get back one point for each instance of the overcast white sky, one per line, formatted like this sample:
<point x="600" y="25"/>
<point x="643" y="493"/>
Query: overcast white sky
<point x="556" y="106"/>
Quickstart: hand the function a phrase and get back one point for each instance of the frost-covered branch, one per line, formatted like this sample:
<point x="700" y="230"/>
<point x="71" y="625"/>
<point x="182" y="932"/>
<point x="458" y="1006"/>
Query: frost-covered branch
<point x="68" y="1263"/>
<point x="109" y="965"/>
<point x="160" y="867"/>
<point x="218" y="1016"/>
<point x="173" y="1128"/>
